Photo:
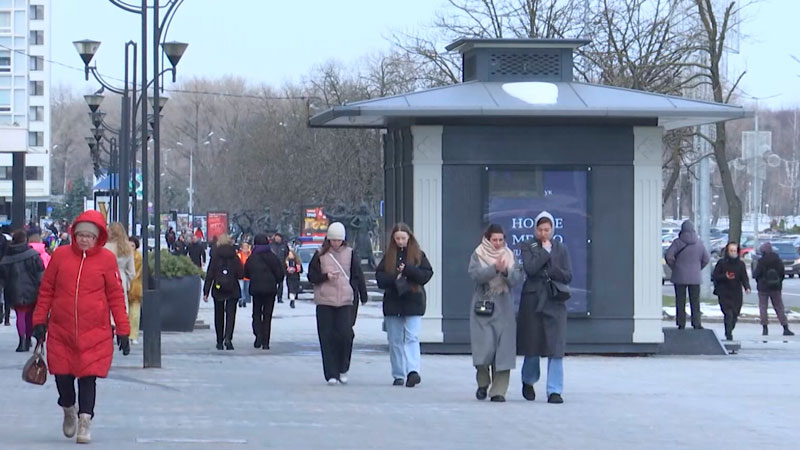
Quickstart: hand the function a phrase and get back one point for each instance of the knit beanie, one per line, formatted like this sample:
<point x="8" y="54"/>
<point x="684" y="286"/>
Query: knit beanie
<point x="87" y="227"/>
<point x="336" y="232"/>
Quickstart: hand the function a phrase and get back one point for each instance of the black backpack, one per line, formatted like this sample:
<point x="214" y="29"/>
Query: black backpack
<point x="772" y="279"/>
<point x="225" y="281"/>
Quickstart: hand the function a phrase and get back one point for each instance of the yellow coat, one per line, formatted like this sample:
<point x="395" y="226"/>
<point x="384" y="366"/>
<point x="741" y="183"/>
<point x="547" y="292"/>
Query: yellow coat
<point x="135" y="293"/>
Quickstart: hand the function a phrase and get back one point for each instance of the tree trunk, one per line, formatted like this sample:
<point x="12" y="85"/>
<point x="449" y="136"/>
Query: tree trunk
<point x="733" y="200"/>
<point x="673" y="177"/>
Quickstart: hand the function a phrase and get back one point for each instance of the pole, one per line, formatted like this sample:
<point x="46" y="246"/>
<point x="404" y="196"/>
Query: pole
<point x="124" y="137"/>
<point x="132" y="138"/>
<point x="756" y="195"/>
<point x="18" y="218"/>
<point x="156" y="145"/>
<point x="704" y="205"/>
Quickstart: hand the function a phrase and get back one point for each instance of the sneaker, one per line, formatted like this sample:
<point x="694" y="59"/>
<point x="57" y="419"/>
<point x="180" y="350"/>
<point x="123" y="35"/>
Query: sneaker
<point x="398" y="382"/>
<point x="84" y="429"/>
<point x="528" y="392"/>
<point x="333" y="382"/>
<point x="135" y="342"/>
<point x="343" y="378"/>
<point x="555" y="399"/>
<point x="70" y="426"/>
<point x="413" y="379"/>
<point x="498" y="399"/>
<point x="480" y="394"/>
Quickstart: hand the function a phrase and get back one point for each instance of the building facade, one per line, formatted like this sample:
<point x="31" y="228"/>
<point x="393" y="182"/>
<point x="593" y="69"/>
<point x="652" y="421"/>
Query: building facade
<point x="25" y="101"/>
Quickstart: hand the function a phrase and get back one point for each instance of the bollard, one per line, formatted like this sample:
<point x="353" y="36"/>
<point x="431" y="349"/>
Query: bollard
<point x="151" y="328"/>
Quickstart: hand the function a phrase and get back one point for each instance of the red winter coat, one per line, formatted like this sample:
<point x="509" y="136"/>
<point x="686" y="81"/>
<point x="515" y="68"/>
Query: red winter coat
<point x="78" y="290"/>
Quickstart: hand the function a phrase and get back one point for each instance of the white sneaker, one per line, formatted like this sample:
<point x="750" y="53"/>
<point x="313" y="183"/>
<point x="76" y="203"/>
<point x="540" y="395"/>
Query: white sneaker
<point x="70" y="426"/>
<point x="343" y="378"/>
<point x="84" y="425"/>
<point x="333" y="382"/>
<point x="135" y="342"/>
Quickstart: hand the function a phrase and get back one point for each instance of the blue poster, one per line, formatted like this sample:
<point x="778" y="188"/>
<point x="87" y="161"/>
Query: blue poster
<point x="516" y="197"/>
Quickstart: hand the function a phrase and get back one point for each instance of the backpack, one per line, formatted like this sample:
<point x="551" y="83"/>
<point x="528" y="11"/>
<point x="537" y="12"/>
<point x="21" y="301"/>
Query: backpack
<point x="772" y="279"/>
<point x="225" y="281"/>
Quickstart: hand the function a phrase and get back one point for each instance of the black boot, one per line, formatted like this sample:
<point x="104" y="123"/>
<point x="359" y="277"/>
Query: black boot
<point x="21" y="346"/>
<point x="291" y="304"/>
<point x="787" y="331"/>
<point x="764" y="330"/>
<point x="27" y="344"/>
<point x="257" y="343"/>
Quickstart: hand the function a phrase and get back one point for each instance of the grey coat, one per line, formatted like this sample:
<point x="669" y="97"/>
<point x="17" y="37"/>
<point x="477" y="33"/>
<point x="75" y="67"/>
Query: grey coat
<point x="687" y="256"/>
<point x="493" y="338"/>
<point x="542" y="321"/>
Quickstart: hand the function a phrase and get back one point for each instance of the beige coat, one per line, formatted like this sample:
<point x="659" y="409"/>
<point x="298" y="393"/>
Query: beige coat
<point x="336" y="292"/>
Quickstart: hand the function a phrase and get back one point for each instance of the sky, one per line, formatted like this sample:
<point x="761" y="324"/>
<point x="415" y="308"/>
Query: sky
<point x="279" y="41"/>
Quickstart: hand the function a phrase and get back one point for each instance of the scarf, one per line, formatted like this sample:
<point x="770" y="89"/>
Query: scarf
<point x="487" y="255"/>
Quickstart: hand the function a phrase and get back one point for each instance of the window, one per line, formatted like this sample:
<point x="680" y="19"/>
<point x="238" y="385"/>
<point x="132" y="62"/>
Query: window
<point x="5" y="61"/>
<point x="37" y="12"/>
<point x="35" y="138"/>
<point x="34" y="173"/>
<point x="37" y="37"/>
<point x="37" y="63"/>
<point x="5" y="172"/>
<point x="5" y="21"/>
<point x="37" y="88"/>
<point x="5" y="100"/>
<point x="36" y="113"/>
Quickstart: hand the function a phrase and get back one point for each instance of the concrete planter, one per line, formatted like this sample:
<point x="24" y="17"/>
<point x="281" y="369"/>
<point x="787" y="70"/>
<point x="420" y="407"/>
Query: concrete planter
<point x="180" y="302"/>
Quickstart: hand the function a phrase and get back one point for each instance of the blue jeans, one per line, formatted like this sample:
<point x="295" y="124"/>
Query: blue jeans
<point x="555" y="373"/>
<point x="245" y="298"/>
<point x="403" y="334"/>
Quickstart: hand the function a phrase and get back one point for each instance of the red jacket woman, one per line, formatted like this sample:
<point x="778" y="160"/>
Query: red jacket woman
<point x="80" y="287"/>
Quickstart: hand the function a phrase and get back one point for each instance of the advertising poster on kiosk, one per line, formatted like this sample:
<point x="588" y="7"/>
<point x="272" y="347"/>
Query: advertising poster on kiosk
<point x="217" y="223"/>
<point x="517" y="196"/>
<point x="315" y="225"/>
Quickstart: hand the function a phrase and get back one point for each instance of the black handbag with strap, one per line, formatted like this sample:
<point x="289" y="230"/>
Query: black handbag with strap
<point x="556" y="289"/>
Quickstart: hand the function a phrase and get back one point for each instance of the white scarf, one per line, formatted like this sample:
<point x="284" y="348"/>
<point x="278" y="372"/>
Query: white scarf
<point x="487" y="255"/>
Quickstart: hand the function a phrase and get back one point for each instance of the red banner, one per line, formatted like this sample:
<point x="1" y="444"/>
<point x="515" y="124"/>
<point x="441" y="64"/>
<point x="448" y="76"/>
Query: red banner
<point x="217" y="223"/>
<point x="315" y="224"/>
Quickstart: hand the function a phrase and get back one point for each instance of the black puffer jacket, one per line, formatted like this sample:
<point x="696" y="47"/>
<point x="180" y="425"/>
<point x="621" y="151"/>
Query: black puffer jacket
<point x="21" y="272"/>
<point x="264" y="270"/>
<point x="412" y="303"/>
<point x="224" y="259"/>
<point x="730" y="276"/>
<point x="769" y="260"/>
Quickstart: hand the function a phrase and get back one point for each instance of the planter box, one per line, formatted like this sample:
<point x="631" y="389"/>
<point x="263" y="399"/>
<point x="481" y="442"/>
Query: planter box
<point x="180" y="302"/>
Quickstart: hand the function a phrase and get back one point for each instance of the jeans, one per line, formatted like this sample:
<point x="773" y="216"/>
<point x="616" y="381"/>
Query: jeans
<point x="555" y="373"/>
<point x="403" y="335"/>
<point x="680" y="304"/>
<point x="263" y="306"/>
<point x="335" y="331"/>
<point x="777" y="305"/>
<point x="87" y="392"/>
<point x="245" y="297"/>
<point x="224" y="319"/>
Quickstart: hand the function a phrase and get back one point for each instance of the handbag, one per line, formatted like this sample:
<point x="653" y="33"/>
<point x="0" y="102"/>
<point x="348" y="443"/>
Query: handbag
<point x="35" y="369"/>
<point x="557" y="290"/>
<point x="484" y="307"/>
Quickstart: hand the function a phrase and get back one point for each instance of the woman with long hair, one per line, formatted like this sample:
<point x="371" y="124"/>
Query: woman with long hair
<point x="224" y="272"/>
<point x="294" y="267"/>
<point x="402" y="274"/>
<point x="120" y="246"/>
<point x="335" y="272"/>
<point x="135" y="293"/>
<point x="492" y="323"/>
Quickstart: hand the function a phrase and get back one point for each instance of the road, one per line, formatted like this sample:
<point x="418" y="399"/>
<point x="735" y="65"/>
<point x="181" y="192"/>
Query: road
<point x="791" y="292"/>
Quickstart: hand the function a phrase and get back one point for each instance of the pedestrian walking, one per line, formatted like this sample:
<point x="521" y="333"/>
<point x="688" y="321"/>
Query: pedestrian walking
<point x="542" y="319"/>
<point x="402" y="274"/>
<point x="730" y="277"/>
<point x="120" y="246"/>
<point x="281" y="250"/>
<point x="294" y="267"/>
<point x="181" y="247"/>
<point x="79" y="288"/>
<point x="492" y="322"/>
<point x="5" y="241"/>
<point x="687" y="256"/>
<point x="197" y="252"/>
<point x="170" y="237"/>
<point x="769" y="275"/>
<point x="265" y="272"/>
<point x="135" y="292"/>
<point x="198" y="233"/>
<point x="21" y="271"/>
<point x="339" y="285"/>
<point x="244" y="284"/>
<point x="222" y="282"/>
<point x="35" y="242"/>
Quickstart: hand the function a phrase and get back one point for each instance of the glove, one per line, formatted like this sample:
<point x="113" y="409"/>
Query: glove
<point x="40" y="332"/>
<point x="124" y="344"/>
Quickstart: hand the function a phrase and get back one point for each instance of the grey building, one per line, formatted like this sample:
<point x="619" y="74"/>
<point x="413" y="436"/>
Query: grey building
<point x="517" y="136"/>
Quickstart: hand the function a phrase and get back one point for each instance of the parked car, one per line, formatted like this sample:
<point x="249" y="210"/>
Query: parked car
<point x="789" y="254"/>
<point x="306" y="252"/>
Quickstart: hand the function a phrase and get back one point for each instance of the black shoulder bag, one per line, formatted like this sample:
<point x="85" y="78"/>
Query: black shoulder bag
<point x="484" y="307"/>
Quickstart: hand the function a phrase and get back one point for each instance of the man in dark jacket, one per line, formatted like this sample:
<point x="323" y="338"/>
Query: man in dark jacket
<point x="197" y="252"/>
<point x="266" y="273"/>
<point x="769" y="274"/>
<point x="281" y="250"/>
<point x="687" y="257"/>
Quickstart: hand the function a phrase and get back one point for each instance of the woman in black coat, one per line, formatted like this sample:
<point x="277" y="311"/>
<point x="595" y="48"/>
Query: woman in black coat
<point x="542" y="318"/>
<point x="730" y="276"/>
<point x="402" y="274"/>
<point x="21" y="270"/>
<point x="222" y="281"/>
<point x="294" y="267"/>
<point x="265" y="272"/>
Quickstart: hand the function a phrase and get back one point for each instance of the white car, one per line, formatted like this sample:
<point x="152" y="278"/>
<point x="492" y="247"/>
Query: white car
<point x="306" y="252"/>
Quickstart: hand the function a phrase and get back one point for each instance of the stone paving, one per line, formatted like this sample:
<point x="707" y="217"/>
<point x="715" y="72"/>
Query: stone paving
<point x="247" y="398"/>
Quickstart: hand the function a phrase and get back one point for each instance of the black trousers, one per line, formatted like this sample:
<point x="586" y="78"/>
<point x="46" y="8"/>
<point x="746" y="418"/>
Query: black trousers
<point x="280" y="291"/>
<point x="694" y="304"/>
<point x="335" y="330"/>
<point x="225" y="318"/>
<point x="87" y="392"/>
<point x="263" y="306"/>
